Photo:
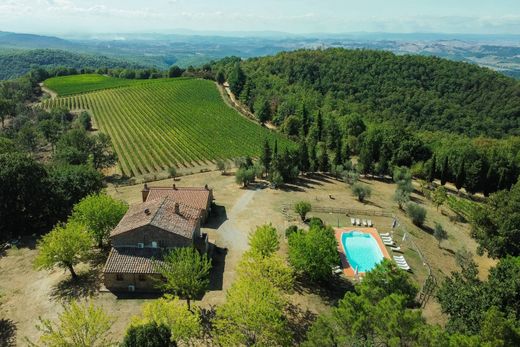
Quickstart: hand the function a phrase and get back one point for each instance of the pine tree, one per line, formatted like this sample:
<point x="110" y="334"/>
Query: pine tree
<point x="305" y="119"/>
<point x="432" y="173"/>
<point x="445" y="171"/>
<point x="313" y="159"/>
<point x="266" y="156"/>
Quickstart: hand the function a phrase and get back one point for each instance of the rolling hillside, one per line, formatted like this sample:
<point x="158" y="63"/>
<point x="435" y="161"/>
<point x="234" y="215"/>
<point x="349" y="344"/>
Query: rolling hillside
<point x="167" y="122"/>
<point x="17" y="62"/>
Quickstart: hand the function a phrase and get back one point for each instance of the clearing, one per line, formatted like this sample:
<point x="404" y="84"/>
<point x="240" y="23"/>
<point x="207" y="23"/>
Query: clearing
<point x="237" y="212"/>
<point x="162" y="123"/>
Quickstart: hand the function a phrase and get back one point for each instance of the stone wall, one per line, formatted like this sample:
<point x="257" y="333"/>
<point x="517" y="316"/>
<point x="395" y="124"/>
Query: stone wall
<point x="148" y="234"/>
<point x="143" y="283"/>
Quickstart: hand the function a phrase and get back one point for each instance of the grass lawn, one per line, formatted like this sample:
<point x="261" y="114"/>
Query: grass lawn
<point x="237" y="213"/>
<point x="169" y="122"/>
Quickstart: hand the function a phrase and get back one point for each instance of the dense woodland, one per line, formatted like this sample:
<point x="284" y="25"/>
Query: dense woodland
<point x="16" y="63"/>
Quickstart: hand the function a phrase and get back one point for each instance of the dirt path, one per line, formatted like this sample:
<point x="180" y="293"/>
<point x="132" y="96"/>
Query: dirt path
<point x="231" y="100"/>
<point x="46" y="90"/>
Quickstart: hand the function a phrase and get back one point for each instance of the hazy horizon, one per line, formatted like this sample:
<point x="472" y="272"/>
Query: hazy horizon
<point x="70" y="17"/>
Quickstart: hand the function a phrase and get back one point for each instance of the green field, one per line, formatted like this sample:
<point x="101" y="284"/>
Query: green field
<point x="168" y="122"/>
<point x="69" y="85"/>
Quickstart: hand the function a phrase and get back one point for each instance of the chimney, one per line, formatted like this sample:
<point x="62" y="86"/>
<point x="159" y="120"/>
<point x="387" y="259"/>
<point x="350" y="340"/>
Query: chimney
<point x="206" y="187"/>
<point x="147" y="211"/>
<point x="174" y="187"/>
<point x="145" y="192"/>
<point x="177" y="208"/>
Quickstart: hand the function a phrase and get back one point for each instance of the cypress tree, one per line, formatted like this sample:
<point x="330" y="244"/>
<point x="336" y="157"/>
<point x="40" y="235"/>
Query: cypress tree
<point x="305" y="119"/>
<point x="338" y="158"/>
<point x="304" y="156"/>
<point x="445" y="171"/>
<point x="460" y="177"/>
<point x="432" y="173"/>
<point x="266" y="156"/>
<point x="313" y="159"/>
<point x="319" y="126"/>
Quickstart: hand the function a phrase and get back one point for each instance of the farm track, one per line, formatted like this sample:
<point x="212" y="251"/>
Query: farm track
<point x="173" y="122"/>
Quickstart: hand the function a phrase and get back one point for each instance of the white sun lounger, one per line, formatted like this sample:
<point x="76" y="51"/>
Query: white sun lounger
<point x="384" y="238"/>
<point x="404" y="267"/>
<point x="385" y="234"/>
<point x="370" y="224"/>
<point x="353" y="221"/>
<point x="395" y="249"/>
<point x="365" y="223"/>
<point x="358" y="221"/>
<point x="400" y="257"/>
<point x="389" y="243"/>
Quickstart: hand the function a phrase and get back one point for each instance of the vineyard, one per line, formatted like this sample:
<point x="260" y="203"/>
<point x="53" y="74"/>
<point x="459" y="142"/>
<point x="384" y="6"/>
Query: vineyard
<point x="462" y="207"/>
<point x="169" y="122"/>
<point x="68" y="85"/>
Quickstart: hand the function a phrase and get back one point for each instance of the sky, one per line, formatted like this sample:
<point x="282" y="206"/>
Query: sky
<point x="292" y="16"/>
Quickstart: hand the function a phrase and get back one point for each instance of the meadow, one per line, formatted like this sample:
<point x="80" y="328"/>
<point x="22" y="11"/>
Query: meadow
<point x="162" y="123"/>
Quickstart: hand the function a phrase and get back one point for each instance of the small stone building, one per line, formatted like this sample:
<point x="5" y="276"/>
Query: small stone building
<point x="150" y="229"/>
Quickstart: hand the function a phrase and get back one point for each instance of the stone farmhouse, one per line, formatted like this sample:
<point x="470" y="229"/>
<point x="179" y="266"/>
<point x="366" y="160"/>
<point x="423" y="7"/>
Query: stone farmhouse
<point x="168" y="217"/>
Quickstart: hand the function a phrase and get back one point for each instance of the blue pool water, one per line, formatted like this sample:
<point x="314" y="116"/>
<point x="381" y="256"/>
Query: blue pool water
<point x="362" y="250"/>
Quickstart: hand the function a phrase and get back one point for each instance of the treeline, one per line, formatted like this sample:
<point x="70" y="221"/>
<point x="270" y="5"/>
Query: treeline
<point x="16" y="63"/>
<point x="48" y="161"/>
<point x="413" y="92"/>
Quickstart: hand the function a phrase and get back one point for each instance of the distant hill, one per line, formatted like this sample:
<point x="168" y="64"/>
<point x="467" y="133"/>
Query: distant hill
<point x="15" y="63"/>
<point x="411" y="91"/>
<point x="30" y="41"/>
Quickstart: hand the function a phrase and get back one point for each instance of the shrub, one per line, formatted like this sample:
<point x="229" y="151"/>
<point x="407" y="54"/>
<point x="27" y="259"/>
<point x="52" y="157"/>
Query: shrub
<point x="291" y="230"/>
<point x="361" y="191"/>
<point x="302" y="208"/>
<point x="316" y="222"/>
<point x="416" y="213"/>
<point x="264" y="240"/>
<point x="172" y="171"/>
<point x="148" y="335"/>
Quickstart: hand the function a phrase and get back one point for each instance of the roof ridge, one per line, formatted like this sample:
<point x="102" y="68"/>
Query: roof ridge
<point x="157" y="211"/>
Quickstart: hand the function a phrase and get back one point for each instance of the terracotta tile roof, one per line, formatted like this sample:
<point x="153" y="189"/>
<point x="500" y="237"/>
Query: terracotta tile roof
<point x="133" y="260"/>
<point x="191" y="196"/>
<point x="164" y="213"/>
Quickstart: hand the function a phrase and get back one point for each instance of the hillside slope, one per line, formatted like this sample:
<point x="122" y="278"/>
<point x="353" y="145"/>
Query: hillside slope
<point x="15" y="63"/>
<point x="170" y="122"/>
<point x="416" y="92"/>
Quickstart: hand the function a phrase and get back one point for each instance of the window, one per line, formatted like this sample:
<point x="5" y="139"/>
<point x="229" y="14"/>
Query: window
<point x="119" y="277"/>
<point x="142" y="278"/>
<point x="140" y="245"/>
<point x="154" y="244"/>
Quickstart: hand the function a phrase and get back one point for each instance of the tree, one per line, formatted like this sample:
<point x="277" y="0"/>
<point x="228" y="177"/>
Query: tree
<point x="402" y="197"/>
<point x="439" y="233"/>
<point x="183" y="324"/>
<point x="186" y="273"/>
<point x="172" y="171"/>
<point x="272" y="268"/>
<point x="253" y="315"/>
<point x="264" y="240"/>
<point x="27" y="137"/>
<point x="361" y="191"/>
<point x="266" y="156"/>
<point x="175" y="71"/>
<point x="148" y="335"/>
<point x="276" y="179"/>
<point x="416" y="213"/>
<point x="245" y="176"/>
<point x="220" y="77"/>
<point x="302" y="208"/>
<point x="222" y="165"/>
<point x="460" y="178"/>
<point x="26" y="180"/>
<point x="65" y="246"/>
<point x="263" y="111"/>
<point x="80" y="324"/>
<point x="100" y="214"/>
<point x="303" y="150"/>
<point x="432" y="173"/>
<point x="236" y="79"/>
<point x="103" y="155"/>
<point x="445" y="173"/>
<point x="496" y="224"/>
<point x="314" y="253"/>
<point x="85" y="121"/>
<point x="50" y="130"/>
<point x="439" y="196"/>
<point x="355" y="125"/>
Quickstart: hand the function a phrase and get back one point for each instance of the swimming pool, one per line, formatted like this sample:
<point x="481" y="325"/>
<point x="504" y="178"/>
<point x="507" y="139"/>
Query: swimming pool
<point x="361" y="249"/>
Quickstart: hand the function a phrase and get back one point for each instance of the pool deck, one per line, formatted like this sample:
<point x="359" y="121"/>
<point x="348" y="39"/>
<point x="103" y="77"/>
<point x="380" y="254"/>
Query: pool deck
<point x="347" y="269"/>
